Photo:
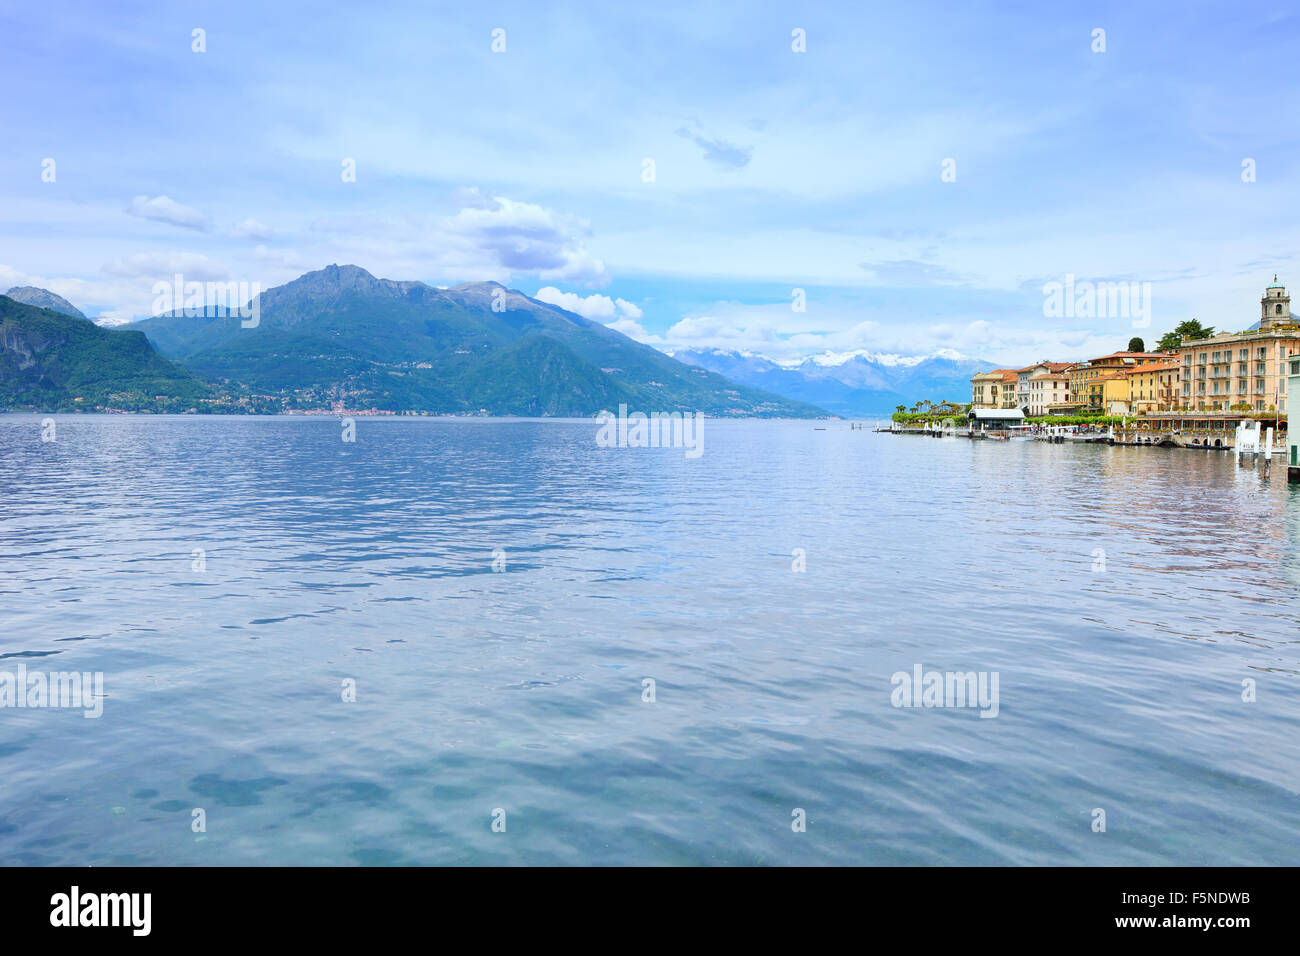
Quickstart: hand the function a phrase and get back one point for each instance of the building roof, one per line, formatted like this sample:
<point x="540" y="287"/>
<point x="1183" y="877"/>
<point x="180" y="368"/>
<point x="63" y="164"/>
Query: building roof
<point x="997" y="414"/>
<point x="1129" y="355"/>
<point x="1052" y="366"/>
<point x="1152" y="367"/>
<point x="1008" y="375"/>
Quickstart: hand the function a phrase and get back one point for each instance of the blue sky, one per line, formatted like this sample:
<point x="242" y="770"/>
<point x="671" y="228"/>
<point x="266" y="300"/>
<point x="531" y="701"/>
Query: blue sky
<point x="774" y="170"/>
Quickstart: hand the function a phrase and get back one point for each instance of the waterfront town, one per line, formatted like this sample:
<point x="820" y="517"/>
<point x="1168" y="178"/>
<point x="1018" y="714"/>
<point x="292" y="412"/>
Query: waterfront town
<point x="1198" y="389"/>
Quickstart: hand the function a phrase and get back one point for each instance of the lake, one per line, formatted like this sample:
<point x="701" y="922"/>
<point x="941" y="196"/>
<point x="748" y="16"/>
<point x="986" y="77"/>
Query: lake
<point x="488" y="641"/>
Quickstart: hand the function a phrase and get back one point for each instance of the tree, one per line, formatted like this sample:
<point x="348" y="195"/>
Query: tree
<point x="900" y="408"/>
<point x="1136" y="344"/>
<point x="1191" y="329"/>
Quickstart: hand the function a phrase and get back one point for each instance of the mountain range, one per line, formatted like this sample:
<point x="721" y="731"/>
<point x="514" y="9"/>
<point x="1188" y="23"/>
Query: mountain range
<point x="851" y="385"/>
<point x="341" y="338"/>
<point x="54" y="361"/>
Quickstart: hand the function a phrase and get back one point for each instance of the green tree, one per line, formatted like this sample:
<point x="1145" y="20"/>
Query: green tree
<point x="1136" y="344"/>
<point x="1190" y="329"/>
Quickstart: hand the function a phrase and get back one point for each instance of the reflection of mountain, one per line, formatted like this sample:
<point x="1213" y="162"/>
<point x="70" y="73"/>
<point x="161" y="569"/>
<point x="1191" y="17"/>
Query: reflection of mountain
<point x="340" y="334"/>
<point x="855" y="384"/>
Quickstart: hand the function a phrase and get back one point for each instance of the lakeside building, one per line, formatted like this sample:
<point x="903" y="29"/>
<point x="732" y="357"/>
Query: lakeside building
<point x="995" y="419"/>
<point x="1088" y="380"/>
<point x="1242" y="373"/>
<point x="1153" y="387"/>
<point x="1140" y="390"/>
<point x="995" y="389"/>
<point x="1046" y="384"/>
<point x="1243" y="370"/>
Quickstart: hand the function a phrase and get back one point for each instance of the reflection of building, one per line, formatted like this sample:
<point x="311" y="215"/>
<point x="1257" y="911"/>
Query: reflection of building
<point x="1243" y="370"/>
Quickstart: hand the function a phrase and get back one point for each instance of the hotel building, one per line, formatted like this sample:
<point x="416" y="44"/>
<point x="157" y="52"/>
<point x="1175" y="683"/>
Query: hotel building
<point x="1245" y="371"/>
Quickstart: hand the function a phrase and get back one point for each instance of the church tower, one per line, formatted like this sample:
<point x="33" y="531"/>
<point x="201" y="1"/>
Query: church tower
<point x="1275" y="307"/>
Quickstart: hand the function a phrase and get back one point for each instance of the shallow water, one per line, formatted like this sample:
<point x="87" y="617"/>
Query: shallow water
<point x="1119" y="688"/>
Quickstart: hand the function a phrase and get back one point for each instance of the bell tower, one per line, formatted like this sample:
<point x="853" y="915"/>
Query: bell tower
<point x="1275" y="306"/>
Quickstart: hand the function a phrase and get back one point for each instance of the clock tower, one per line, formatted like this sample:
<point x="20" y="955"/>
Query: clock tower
<point x="1275" y="306"/>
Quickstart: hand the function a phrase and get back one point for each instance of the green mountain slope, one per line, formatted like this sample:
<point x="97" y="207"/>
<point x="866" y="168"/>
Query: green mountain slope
<point x="52" y="362"/>
<point x="343" y="335"/>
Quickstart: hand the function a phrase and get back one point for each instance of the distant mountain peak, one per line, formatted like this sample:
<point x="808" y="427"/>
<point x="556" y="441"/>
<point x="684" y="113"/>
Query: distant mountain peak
<point x="333" y="282"/>
<point x="484" y="284"/>
<point x="44" y="299"/>
<point x="831" y="359"/>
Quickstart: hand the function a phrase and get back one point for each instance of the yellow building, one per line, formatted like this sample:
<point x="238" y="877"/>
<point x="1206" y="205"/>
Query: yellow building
<point x="1086" y="378"/>
<point x="1153" y="387"/>
<point x="1109" y="393"/>
<point x="995" y="389"/>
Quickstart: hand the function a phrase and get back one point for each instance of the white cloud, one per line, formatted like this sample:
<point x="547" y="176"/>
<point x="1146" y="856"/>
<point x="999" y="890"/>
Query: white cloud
<point x="600" y="308"/>
<point x="163" y="209"/>
<point x="285" y="258"/>
<point x="164" y="265"/>
<point x="527" y="238"/>
<point x="251" y="229"/>
<point x="489" y="237"/>
<point x="635" y="330"/>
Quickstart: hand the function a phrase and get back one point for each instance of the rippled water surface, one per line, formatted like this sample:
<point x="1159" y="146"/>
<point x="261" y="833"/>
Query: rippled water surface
<point x="1119" y="689"/>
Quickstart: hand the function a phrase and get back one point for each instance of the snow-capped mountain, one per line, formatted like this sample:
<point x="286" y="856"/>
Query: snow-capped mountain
<point x="857" y="383"/>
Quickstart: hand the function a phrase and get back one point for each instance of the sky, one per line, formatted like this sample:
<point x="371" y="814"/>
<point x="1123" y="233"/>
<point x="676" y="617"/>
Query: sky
<point x="919" y="171"/>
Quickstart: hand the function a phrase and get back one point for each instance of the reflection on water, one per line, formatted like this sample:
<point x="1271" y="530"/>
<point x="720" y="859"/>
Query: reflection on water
<point x="324" y="562"/>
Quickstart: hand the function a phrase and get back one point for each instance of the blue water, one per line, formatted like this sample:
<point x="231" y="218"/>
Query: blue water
<point x="1120" y="689"/>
